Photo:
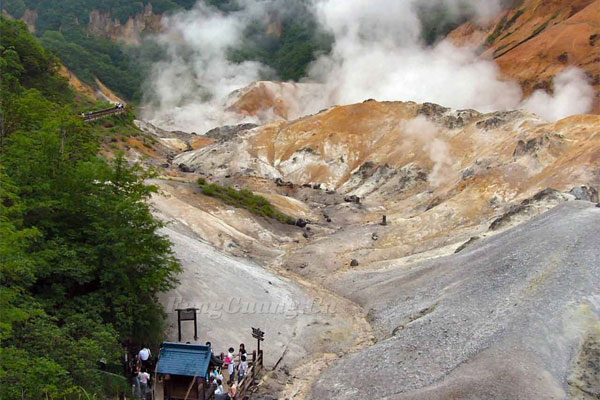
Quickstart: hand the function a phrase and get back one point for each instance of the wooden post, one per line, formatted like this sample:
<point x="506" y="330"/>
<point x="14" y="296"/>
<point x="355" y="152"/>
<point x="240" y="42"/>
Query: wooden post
<point x="179" y="324"/>
<point x="196" y="329"/>
<point x="259" y="336"/>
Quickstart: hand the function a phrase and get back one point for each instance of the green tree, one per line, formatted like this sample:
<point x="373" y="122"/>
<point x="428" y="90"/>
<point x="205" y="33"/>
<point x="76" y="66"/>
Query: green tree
<point x="81" y="257"/>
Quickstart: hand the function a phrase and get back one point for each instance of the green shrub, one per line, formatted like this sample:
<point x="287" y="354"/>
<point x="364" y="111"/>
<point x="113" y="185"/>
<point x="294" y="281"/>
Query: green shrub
<point x="244" y="198"/>
<point x="209" y="190"/>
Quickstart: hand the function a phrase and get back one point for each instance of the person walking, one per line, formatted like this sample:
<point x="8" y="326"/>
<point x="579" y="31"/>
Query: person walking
<point x="143" y="377"/>
<point x="145" y="355"/>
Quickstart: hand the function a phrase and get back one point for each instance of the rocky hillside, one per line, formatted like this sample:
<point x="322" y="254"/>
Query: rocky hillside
<point x="103" y="24"/>
<point x="489" y="247"/>
<point x="440" y="176"/>
<point x="536" y="39"/>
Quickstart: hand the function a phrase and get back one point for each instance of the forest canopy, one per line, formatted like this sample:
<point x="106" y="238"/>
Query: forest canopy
<point x="63" y="29"/>
<point x="81" y="258"/>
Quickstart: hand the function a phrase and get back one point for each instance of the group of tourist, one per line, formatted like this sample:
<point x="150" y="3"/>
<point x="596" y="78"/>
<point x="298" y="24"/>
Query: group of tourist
<point x="139" y="368"/>
<point x="236" y="365"/>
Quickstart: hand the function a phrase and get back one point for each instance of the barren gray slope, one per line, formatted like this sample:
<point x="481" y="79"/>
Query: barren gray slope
<point x="234" y="294"/>
<point x="503" y="319"/>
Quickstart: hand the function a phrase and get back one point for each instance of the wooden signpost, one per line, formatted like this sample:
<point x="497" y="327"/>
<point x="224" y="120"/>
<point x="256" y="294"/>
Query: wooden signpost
<point x="259" y="336"/>
<point x="187" y="314"/>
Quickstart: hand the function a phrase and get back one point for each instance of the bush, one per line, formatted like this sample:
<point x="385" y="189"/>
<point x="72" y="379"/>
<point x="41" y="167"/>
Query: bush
<point x="209" y="190"/>
<point x="243" y="198"/>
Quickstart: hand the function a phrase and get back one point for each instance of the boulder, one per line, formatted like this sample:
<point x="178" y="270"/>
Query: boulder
<point x="352" y="199"/>
<point x="185" y="168"/>
<point x="301" y="222"/>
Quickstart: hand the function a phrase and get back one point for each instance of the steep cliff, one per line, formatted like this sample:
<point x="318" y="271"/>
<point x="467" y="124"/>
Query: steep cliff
<point x="103" y="24"/>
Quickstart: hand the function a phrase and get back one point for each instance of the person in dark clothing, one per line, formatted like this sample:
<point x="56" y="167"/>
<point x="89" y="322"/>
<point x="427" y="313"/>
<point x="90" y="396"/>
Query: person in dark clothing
<point x="212" y="386"/>
<point x="243" y="350"/>
<point x="214" y="360"/>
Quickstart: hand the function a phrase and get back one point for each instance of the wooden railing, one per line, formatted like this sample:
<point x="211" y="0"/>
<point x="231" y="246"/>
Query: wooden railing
<point x="251" y="375"/>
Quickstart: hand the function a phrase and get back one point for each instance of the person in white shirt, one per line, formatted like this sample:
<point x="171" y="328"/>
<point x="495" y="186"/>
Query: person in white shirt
<point x="143" y="377"/>
<point x="219" y="389"/>
<point x="145" y="354"/>
<point x="230" y="360"/>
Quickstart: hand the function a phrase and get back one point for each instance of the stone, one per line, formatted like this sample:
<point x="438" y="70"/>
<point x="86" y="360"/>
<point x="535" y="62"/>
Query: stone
<point x="301" y="222"/>
<point x="185" y="168"/>
<point x="352" y="199"/>
<point x="228" y="132"/>
<point x="354" y="262"/>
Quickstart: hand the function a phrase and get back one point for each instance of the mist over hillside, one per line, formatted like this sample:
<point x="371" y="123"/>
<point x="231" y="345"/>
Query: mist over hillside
<point x="381" y="50"/>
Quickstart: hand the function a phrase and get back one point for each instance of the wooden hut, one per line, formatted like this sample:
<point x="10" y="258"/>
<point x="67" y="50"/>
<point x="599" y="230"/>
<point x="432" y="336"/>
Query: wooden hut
<point x="181" y="371"/>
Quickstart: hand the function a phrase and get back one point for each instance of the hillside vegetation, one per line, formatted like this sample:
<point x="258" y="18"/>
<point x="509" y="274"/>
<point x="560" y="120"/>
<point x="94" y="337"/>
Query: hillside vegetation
<point x="63" y="29"/>
<point x="243" y="198"/>
<point x="81" y="261"/>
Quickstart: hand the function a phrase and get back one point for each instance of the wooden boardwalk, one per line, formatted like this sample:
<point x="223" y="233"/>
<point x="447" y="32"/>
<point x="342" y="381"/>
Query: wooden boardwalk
<point x="94" y="115"/>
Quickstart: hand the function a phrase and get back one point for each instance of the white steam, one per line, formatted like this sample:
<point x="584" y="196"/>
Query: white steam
<point x="428" y="135"/>
<point x="377" y="53"/>
<point x="189" y="89"/>
<point x="572" y="95"/>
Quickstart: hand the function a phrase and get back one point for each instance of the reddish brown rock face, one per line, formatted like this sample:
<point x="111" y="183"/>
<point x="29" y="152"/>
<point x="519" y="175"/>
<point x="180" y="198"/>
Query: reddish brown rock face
<point x="534" y="41"/>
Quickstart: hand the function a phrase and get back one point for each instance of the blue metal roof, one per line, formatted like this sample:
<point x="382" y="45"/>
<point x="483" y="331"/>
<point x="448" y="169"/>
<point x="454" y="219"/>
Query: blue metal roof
<point x="183" y="359"/>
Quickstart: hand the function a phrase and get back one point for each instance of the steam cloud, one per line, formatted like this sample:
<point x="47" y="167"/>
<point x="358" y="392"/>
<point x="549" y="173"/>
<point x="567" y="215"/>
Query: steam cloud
<point x="377" y="53"/>
<point x="428" y="135"/>
<point x="188" y="90"/>
<point x="572" y="95"/>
